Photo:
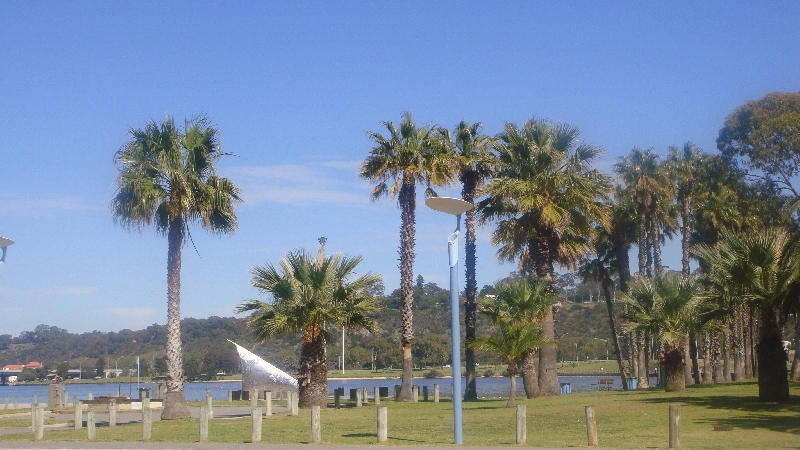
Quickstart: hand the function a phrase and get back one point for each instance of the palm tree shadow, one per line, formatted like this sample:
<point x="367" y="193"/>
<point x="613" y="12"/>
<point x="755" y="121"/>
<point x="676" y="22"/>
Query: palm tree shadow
<point x="757" y="419"/>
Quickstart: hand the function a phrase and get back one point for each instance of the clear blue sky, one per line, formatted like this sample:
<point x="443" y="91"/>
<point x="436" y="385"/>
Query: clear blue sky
<point x="293" y="88"/>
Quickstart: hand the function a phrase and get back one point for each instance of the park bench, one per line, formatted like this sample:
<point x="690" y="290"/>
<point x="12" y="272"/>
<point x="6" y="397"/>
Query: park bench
<point x="605" y="384"/>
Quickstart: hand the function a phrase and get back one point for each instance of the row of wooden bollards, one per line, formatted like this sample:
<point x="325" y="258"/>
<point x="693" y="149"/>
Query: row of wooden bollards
<point x="37" y="419"/>
<point x="591" y="425"/>
<point x="15" y="404"/>
<point x="256" y="413"/>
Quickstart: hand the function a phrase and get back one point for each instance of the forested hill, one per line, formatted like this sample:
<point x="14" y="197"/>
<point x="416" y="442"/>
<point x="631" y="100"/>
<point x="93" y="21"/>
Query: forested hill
<point x="206" y="349"/>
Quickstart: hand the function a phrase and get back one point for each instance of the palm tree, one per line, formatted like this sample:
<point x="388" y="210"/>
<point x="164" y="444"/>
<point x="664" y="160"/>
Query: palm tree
<point x="516" y="310"/>
<point x="665" y="306"/>
<point x="408" y="156"/>
<point x="683" y="165"/>
<point x="512" y="341"/>
<point x="545" y="201"/>
<point x="167" y="178"/>
<point x="476" y="163"/>
<point x="764" y="269"/>
<point x="601" y="269"/>
<point x="307" y="294"/>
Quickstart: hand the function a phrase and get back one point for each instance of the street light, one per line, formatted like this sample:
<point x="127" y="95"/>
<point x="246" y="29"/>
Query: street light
<point x="4" y="244"/>
<point x="455" y="207"/>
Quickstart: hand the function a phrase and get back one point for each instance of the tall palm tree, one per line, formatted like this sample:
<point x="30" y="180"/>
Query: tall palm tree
<point x="408" y="156"/>
<point x="683" y="165"/>
<point x="545" y="200"/>
<point x="763" y="267"/>
<point x="476" y="163"/>
<point x="666" y="306"/>
<point x="167" y="178"/>
<point x="308" y="293"/>
<point x="517" y="309"/>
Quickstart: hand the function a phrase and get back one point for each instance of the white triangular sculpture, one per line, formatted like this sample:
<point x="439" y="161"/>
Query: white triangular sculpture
<point x="259" y="374"/>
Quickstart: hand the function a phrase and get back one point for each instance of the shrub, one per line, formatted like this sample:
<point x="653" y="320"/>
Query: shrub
<point x="488" y="374"/>
<point x="433" y="373"/>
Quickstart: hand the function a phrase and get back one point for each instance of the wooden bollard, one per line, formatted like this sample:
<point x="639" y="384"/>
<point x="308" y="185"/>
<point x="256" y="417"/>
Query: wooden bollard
<point x="255" y="416"/>
<point x="16" y="402"/>
<point x="337" y="398"/>
<point x="591" y="426"/>
<point x="230" y="395"/>
<point x="34" y="405"/>
<point x="358" y="398"/>
<point x="112" y="413"/>
<point x="415" y="393"/>
<point x="147" y="420"/>
<point x="38" y="432"/>
<point x="6" y="402"/>
<point x="209" y="404"/>
<point x="91" y="432"/>
<point x="425" y="393"/>
<point x="203" y="424"/>
<point x="674" y="425"/>
<point x="78" y="415"/>
<point x="316" y="425"/>
<point x="365" y="395"/>
<point x="396" y="392"/>
<point x="377" y="395"/>
<point x="254" y="398"/>
<point x="268" y="399"/>
<point x="36" y="399"/>
<point x="436" y="393"/>
<point x="382" y="424"/>
<point x="522" y="424"/>
<point x="90" y="397"/>
<point x="295" y="403"/>
<point x="74" y="399"/>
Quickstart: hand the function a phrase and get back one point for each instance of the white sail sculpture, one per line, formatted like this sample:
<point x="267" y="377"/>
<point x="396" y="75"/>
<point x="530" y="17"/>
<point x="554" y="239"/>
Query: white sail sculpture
<point x="259" y="374"/>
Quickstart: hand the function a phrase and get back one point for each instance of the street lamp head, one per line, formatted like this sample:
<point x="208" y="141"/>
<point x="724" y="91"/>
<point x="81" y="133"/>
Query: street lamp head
<point x="449" y="205"/>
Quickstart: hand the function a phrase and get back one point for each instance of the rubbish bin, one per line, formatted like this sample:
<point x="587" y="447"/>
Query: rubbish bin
<point x="633" y="383"/>
<point x="566" y="388"/>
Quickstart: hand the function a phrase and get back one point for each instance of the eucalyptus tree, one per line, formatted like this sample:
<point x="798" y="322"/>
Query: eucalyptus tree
<point x="545" y="200"/>
<point x="167" y="178"/>
<point x="476" y="163"/>
<point x="516" y="311"/>
<point x="667" y="307"/>
<point x="407" y="156"/>
<point x="307" y="293"/>
<point x="764" y="268"/>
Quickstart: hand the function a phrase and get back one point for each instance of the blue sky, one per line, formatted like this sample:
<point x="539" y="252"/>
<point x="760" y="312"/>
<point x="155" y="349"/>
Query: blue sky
<point x="293" y="88"/>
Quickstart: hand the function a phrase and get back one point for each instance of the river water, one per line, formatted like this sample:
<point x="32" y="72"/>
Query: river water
<point x="487" y="387"/>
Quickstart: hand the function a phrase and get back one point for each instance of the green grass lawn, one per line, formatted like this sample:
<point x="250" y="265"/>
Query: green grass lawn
<point x="624" y="420"/>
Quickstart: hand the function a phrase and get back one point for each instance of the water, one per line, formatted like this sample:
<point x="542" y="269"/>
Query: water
<point x="487" y="387"/>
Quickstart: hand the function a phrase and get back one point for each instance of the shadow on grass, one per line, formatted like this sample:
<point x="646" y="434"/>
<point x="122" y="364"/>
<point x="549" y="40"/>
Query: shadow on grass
<point x="772" y="416"/>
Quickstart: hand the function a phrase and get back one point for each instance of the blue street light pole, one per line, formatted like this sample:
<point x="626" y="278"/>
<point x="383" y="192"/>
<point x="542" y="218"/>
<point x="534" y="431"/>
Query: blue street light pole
<point x="455" y="207"/>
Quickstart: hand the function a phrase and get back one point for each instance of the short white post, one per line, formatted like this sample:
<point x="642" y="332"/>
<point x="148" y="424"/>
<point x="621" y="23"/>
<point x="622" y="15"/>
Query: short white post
<point x="203" y="424"/>
<point x="255" y="416"/>
<point x="377" y="395"/>
<point x="436" y="393"/>
<point x="591" y="426"/>
<point x="112" y="413"/>
<point x="382" y="424"/>
<point x="147" y="420"/>
<point x="674" y="425"/>
<point x="268" y="399"/>
<point x="91" y="432"/>
<point x="78" y="414"/>
<point x="209" y="404"/>
<point x="316" y="426"/>
<point x="522" y="425"/>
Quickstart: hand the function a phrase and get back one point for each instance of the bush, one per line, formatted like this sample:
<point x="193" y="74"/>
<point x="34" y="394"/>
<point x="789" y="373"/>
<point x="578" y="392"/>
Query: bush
<point x="433" y="373"/>
<point x="488" y="374"/>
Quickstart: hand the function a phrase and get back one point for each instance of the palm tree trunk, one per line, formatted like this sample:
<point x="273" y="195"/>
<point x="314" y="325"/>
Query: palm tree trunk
<point x="649" y="246"/>
<point x="716" y="359"/>
<point x="687" y="363"/>
<point x="675" y="379"/>
<point x="633" y="350"/>
<point x="512" y="395"/>
<point x="174" y="400"/>
<point x="548" y="358"/>
<point x="708" y="370"/>
<point x="693" y="353"/>
<point x="726" y="357"/>
<point x="796" y="362"/>
<point x="738" y="346"/>
<point x="644" y="377"/>
<point x="642" y="240"/>
<point x="773" y="385"/>
<point x="470" y="294"/>
<point x="530" y="371"/>
<point x="606" y="285"/>
<point x="659" y="267"/>
<point x="407" y="200"/>
<point x="747" y="329"/>
<point x="686" y="214"/>
<point x="313" y="379"/>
